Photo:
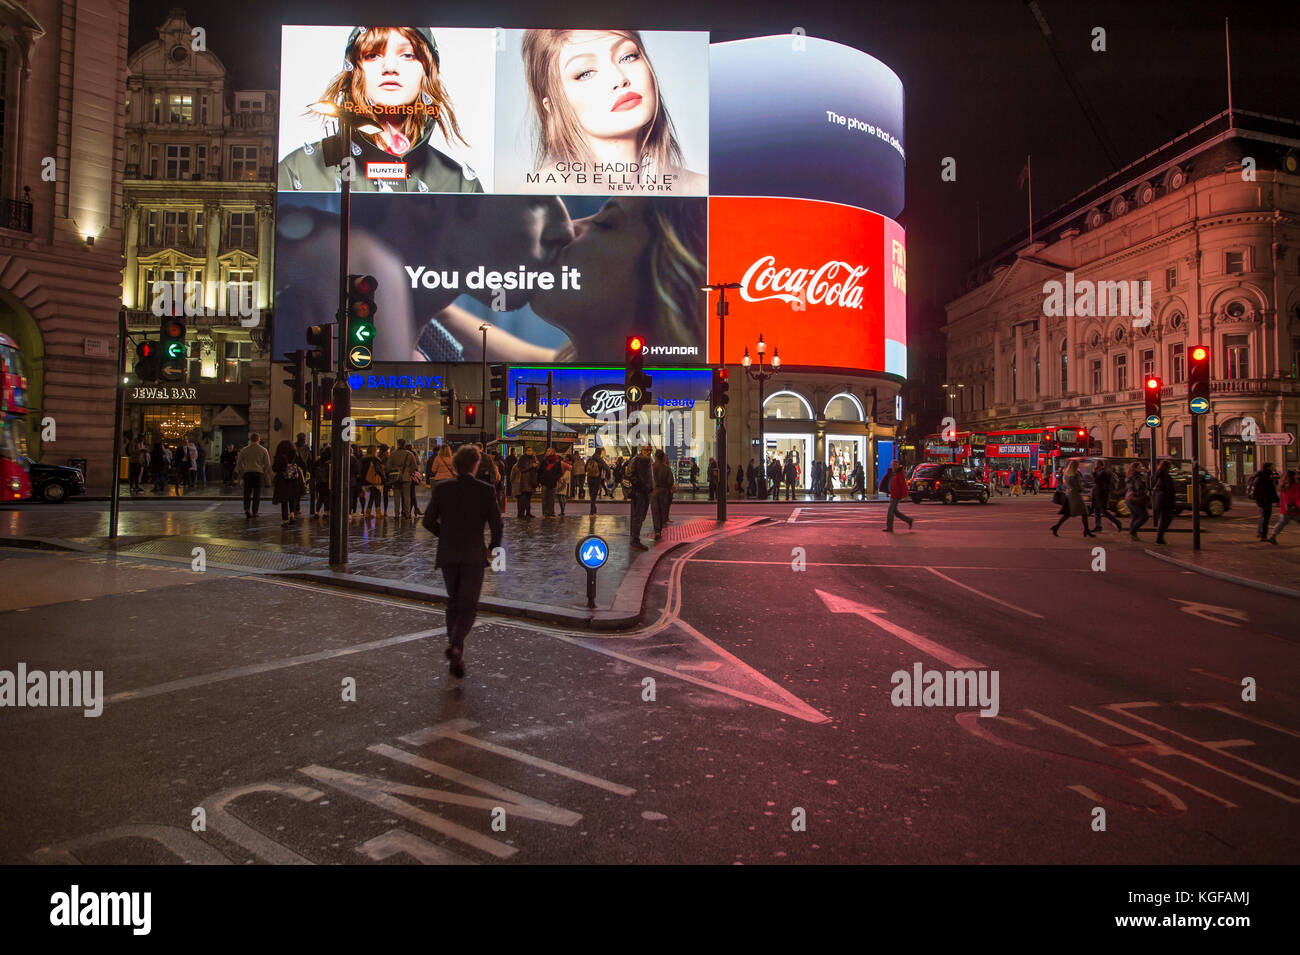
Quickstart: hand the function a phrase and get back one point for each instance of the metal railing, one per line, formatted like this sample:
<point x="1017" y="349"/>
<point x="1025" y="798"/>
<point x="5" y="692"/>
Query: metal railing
<point x="16" y="214"/>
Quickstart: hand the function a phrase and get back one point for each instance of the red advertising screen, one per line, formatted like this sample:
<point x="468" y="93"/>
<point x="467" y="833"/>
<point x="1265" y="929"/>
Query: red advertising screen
<point x="825" y="284"/>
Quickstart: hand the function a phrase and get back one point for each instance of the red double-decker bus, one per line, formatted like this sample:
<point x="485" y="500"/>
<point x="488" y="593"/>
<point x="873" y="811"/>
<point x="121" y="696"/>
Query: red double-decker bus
<point x="15" y="483"/>
<point x="1041" y="450"/>
<point x="954" y="450"/>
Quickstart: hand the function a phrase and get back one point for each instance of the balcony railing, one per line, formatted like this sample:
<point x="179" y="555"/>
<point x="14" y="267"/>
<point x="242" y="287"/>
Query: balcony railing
<point x="16" y="214"/>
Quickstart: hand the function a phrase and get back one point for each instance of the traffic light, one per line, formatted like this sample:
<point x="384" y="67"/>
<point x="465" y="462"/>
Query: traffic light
<point x="471" y="415"/>
<point x="171" y="348"/>
<point x="636" y="383"/>
<point x="147" y="365"/>
<point x="320" y="356"/>
<point x="309" y="406"/>
<point x="325" y="399"/>
<point x="1152" y="392"/>
<point x="1198" y="379"/>
<point x="532" y="401"/>
<point x="296" y="367"/>
<point x="1214" y="436"/>
<point x="359" y="343"/>
<point x="718" y="395"/>
<point x="447" y="400"/>
<point x="499" y="386"/>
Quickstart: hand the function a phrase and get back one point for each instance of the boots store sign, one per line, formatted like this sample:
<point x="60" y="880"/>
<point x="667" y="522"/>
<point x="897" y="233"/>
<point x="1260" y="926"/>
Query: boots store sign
<point x="826" y="281"/>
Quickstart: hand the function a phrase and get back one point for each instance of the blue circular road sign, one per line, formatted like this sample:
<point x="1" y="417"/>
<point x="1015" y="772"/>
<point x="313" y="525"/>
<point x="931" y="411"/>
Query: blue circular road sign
<point x="592" y="552"/>
<point x="1199" y="405"/>
<point x="1153" y="421"/>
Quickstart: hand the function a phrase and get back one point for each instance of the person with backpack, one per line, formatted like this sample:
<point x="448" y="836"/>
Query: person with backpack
<point x="288" y="485"/>
<point x="1262" y="489"/>
<point x="372" y="481"/>
<point x="1138" y="498"/>
<point x="595" y="475"/>
<point x="1290" y="500"/>
<point x="1103" y="481"/>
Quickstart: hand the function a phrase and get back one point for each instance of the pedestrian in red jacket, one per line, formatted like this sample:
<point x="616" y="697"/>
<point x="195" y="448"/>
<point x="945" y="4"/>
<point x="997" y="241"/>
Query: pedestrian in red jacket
<point x="897" y="491"/>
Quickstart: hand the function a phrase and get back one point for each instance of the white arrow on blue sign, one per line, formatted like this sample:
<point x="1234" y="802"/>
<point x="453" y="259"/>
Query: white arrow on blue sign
<point x="592" y="552"/>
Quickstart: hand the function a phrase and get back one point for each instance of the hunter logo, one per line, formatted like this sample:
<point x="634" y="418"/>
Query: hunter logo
<point x="603" y="400"/>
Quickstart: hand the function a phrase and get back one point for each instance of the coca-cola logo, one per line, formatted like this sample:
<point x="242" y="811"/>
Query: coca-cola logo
<point x="833" y="283"/>
<point x="603" y="399"/>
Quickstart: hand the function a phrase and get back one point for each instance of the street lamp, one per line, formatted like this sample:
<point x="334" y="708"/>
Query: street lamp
<point x="720" y="434"/>
<point x="761" y="377"/>
<point x="482" y="431"/>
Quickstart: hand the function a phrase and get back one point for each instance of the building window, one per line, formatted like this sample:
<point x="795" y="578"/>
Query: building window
<point x="178" y="161"/>
<point x="1236" y="356"/>
<point x="235" y="365"/>
<point x="784" y="404"/>
<point x="151" y="228"/>
<point x="1295" y="359"/>
<point x="1235" y="263"/>
<point x="243" y="162"/>
<point x="1038" y="378"/>
<point x="1065" y="365"/>
<point x="1121" y="372"/>
<point x="175" y="227"/>
<point x="1148" y="362"/>
<point x="1175" y="445"/>
<point x="182" y="108"/>
<point x="157" y="107"/>
<point x="1015" y="394"/>
<point x="203" y="110"/>
<point x="200" y="161"/>
<point x="1096" y="376"/>
<point x="198" y="230"/>
<point x="1171" y="278"/>
<point x="1178" y="363"/>
<point x="241" y="233"/>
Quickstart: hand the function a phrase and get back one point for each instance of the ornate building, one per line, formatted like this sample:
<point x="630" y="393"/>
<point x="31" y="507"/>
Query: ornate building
<point x="1197" y="242"/>
<point x="199" y="236"/>
<point x="61" y="68"/>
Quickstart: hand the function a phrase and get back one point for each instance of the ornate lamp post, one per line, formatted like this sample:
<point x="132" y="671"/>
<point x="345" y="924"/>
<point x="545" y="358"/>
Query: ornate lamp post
<point x="761" y="376"/>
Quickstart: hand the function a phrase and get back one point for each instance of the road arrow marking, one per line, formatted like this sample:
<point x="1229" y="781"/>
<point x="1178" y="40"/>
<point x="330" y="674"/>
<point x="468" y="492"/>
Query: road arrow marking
<point x="843" y="605"/>
<point x="1210" y="612"/>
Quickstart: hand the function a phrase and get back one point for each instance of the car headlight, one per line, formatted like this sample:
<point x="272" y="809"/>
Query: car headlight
<point x="15" y="485"/>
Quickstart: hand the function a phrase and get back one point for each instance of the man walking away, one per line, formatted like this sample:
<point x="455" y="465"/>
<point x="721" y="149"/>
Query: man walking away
<point x="715" y="475"/>
<point x="1290" y="496"/>
<point x="1162" y="497"/>
<point x="1103" y="482"/>
<point x="641" y="474"/>
<point x="1262" y="489"/>
<point x="774" y="473"/>
<point x="457" y="513"/>
<point x="662" y="495"/>
<point x="695" y="477"/>
<point x="860" y="480"/>
<point x="791" y="477"/>
<point x="1138" y="498"/>
<point x="897" y="491"/>
<point x="595" y="475"/>
<point x="254" y="466"/>
<point x="320" y="482"/>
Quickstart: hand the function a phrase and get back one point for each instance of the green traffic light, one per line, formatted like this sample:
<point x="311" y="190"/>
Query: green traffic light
<point x="363" y="333"/>
<point x="175" y="350"/>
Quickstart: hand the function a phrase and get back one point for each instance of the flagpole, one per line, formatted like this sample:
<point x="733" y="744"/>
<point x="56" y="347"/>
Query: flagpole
<point x="1029" y="168"/>
<point x="1227" y="47"/>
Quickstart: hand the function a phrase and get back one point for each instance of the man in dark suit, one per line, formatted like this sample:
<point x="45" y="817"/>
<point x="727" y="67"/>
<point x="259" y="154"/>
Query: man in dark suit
<point x="458" y="509"/>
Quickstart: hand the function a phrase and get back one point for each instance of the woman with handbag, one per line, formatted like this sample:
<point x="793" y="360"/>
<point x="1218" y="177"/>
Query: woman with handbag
<point x="288" y="486"/>
<point x="1071" y="500"/>
<point x="372" y="479"/>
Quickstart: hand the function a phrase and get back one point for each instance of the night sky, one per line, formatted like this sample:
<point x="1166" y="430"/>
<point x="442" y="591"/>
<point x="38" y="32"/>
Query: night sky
<point x="979" y="80"/>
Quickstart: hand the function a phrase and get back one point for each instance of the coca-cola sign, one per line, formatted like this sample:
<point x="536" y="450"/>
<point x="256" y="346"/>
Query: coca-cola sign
<point x="825" y="283"/>
<point x="603" y="400"/>
<point x="832" y="283"/>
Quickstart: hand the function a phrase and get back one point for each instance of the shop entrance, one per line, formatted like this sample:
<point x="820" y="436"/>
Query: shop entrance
<point x="842" y="453"/>
<point x="1238" y="463"/>
<point x="798" y="446"/>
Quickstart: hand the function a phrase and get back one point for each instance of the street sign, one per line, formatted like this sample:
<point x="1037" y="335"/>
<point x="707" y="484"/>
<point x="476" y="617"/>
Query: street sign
<point x="359" y="357"/>
<point x="1199" y="405"/>
<point x="592" y="552"/>
<point x="1153" y="421"/>
<point x="633" y="394"/>
<point x="1279" y="438"/>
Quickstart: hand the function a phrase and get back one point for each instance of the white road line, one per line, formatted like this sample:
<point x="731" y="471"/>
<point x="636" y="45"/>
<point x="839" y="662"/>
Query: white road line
<point x="234" y="673"/>
<point x="1027" y="613"/>
<point x="786" y="563"/>
<point x="794" y="516"/>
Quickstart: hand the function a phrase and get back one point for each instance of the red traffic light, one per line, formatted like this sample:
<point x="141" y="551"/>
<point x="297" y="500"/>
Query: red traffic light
<point x="1199" y="353"/>
<point x="1082" y="433"/>
<point x="144" y="349"/>
<point x="173" y="330"/>
<point x="1153" y="384"/>
<point x="364" y="284"/>
<point x="723" y="374"/>
<point x="635" y="343"/>
<point x="469" y="409"/>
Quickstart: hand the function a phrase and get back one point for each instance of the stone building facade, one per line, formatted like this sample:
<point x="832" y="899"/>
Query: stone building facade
<point x="1196" y="243"/>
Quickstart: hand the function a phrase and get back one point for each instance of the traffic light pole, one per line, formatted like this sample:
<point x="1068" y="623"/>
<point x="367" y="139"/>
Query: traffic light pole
<point x="720" y="435"/>
<point x="1196" y="482"/>
<point x="340" y="470"/>
<point x="550" y="381"/>
<point x="118" y="409"/>
<point x="482" y="428"/>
